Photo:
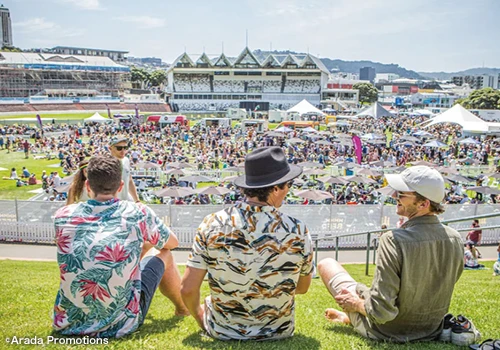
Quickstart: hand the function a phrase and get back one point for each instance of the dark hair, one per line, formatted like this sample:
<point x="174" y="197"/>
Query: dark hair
<point x="104" y="174"/>
<point x="263" y="193"/>
<point x="436" y="208"/>
<point x="476" y="221"/>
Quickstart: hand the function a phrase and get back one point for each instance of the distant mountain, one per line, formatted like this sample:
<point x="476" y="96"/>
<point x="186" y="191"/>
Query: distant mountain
<point x="472" y="71"/>
<point x="353" y="66"/>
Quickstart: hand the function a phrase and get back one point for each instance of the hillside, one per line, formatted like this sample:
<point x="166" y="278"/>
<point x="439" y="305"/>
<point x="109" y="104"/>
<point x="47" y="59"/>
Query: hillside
<point x="353" y="66"/>
<point x="471" y="71"/>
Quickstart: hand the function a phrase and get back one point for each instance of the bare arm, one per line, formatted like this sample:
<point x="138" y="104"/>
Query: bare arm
<point x="172" y="242"/>
<point x="190" y="293"/>
<point x="303" y="284"/>
<point x="132" y="190"/>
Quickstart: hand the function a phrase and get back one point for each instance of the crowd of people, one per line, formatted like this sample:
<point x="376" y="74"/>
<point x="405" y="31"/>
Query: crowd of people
<point x="387" y="144"/>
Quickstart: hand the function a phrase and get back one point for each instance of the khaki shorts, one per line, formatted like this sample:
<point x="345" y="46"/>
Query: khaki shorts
<point x="344" y="280"/>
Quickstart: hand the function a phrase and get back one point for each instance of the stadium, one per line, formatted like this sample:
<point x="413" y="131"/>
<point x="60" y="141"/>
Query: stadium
<point x="250" y="81"/>
<point x="32" y="82"/>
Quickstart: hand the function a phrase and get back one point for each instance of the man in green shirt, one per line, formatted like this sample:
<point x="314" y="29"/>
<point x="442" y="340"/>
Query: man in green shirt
<point x="417" y="268"/>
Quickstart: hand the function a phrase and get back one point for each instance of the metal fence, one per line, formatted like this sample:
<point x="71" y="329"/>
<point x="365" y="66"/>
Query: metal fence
<point x="32" y="221"/>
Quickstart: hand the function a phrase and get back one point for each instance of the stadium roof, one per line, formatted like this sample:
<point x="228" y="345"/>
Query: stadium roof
<point x="248" y="59"/>
<point x="59" y="62"/>
<point x="86" y="48"/>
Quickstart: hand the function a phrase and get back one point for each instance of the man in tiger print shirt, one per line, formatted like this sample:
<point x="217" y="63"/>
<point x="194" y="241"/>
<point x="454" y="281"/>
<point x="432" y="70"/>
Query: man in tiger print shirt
<point x="257" y="258"/>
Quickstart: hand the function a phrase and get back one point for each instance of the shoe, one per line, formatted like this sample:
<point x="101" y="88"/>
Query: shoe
<point x="464" y="333"/>
<point x="448" y="323"/>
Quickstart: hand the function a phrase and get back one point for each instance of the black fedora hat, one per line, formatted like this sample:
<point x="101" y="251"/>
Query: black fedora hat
<point x="265" y="167"/>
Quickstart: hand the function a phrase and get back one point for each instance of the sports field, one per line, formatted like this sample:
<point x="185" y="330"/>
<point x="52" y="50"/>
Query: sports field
<point x="29" y="289"/>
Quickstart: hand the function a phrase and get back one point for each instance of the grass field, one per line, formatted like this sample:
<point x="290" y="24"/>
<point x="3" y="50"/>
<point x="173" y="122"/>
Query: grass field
<point x="8" y="189"/>
<point x="29" y="289"/>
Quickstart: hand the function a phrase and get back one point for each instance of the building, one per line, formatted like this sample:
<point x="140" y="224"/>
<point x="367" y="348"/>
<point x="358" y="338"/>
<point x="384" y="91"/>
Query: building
<point x="339" y="93"/>
<point x="385" y="77"/>
<point x="367" y="73"/>
<point x="117" y="56"/>
<point x="5" y="27"/>
<point x="433" y="99"/>
<point x="25" y="74"/>
<point x="478" y="81"/>
<point x="398" y="87"/>
<point x="203" y="83"/>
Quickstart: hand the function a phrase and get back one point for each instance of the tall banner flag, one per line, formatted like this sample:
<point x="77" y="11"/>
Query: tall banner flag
<point x="39" y="120"/>
<point x="357" y="148"/>
<point x="136" y="111"/>
<point x="109" y="111"/>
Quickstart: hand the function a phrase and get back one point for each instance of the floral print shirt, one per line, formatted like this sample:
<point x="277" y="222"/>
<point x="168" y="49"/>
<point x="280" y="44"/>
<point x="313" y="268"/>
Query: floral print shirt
<point x="254" y="257"/>
<point x="98" y="251"/>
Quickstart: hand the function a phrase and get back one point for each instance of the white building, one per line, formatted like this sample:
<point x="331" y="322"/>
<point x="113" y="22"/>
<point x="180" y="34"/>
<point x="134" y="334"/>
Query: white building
<point x="433" y="99"/>
<point x="206" y="83"/>
<point x="5" y="27"/>
<point x="387" y="77"/>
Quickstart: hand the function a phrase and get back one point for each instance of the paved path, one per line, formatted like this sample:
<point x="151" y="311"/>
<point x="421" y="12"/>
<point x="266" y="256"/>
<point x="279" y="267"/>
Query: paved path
<point x="48" y="253"/>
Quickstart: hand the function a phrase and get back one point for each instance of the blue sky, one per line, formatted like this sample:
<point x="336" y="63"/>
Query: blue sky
<point x="423" y="35"/>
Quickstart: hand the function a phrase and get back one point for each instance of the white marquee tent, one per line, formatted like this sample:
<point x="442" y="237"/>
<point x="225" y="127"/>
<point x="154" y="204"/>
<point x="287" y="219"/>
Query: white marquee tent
<point x="97" y="118"/>
<point x="304" y="107"/>
<point x="375" y="111"/>
<point x="459" y="115"/>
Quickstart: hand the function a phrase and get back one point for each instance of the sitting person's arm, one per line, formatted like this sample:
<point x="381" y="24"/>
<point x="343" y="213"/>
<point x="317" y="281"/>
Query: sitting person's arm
<point x="380" y="301"/>
<point x="303" y="284"/>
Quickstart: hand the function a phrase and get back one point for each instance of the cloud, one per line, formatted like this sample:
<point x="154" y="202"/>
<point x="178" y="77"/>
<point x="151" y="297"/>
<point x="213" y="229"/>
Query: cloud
<point x="145" y="22"/>
<point x="85" y="4"/>
<point x="43" y="28"/>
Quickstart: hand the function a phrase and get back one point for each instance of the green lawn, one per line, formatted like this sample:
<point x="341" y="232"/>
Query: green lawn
<point x="8" y="189"/>
<point x="29" y="288"/>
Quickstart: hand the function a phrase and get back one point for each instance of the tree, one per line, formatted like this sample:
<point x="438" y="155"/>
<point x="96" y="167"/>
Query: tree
<point x="11" y="49"/>
<point x="486" y="98"/>
<point x="139" y="77"/>
<point x="367" y="92"/>
<point x="158" y="77"/>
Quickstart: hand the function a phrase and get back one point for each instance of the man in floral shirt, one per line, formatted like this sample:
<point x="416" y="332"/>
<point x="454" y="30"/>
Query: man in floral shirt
<point x="103" y="291"/>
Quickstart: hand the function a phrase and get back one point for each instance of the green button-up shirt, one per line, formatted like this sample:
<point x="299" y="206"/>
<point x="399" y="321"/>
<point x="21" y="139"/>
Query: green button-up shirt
<point x="417" y="268"/>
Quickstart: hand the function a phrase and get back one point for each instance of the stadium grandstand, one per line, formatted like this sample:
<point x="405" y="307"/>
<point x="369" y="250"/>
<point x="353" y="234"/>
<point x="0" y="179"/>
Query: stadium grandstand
<point x="31" y="82"/>
<point x="25" y="74"/>
<point x="217" y="83"/>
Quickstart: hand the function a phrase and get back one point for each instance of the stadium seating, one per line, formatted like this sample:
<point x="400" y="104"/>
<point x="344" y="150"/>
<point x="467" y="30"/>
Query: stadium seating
<point x="272" y="86"/>
<point x="302" y="86"/>
<point x="189" y="83"/>
<point x="16" y="108"/>
<point x="229" y="86"/>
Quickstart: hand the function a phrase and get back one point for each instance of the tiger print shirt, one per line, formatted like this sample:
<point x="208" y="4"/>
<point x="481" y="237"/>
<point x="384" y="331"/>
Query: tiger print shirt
<point x="254" y="257"/>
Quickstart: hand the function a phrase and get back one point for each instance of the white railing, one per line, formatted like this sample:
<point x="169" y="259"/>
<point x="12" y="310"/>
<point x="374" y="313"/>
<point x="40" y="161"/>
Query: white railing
<point x="30" y="221"/>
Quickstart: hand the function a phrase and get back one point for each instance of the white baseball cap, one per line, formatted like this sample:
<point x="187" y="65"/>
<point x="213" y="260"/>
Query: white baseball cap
<point x="425" y="181"/>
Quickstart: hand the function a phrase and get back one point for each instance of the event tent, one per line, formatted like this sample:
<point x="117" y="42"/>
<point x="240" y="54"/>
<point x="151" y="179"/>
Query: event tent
<point x="376" y="111"/>
<point x="459" y="115"/>
<point x="97" y="118"/>
<point x="304" y="107"/>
